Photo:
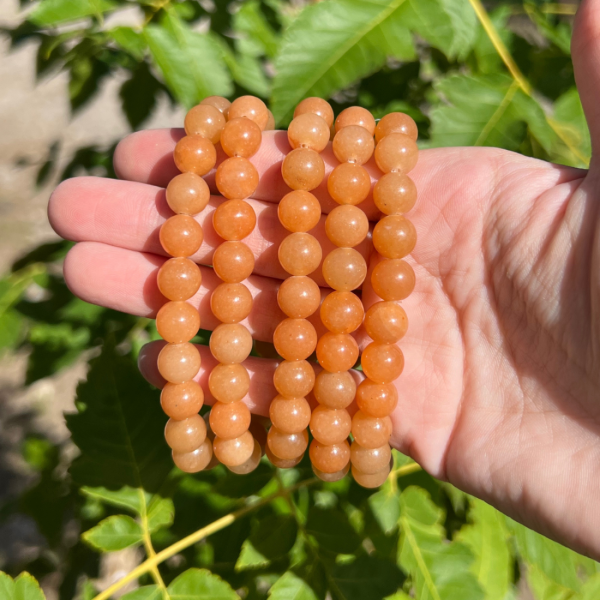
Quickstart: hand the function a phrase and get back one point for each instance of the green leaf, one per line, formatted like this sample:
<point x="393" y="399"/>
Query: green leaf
<point x="127" y="497"/>
<point x="24" y="587"/>
<point x="544" y="588"/>
<point x="160" y="513"/>
<point x="385" y="506"/>
<point x="146" y="592"/>
<point x="200" y="584"/>
<point x="331" y="45"/>
<point x="119" y="427"/>
<point x="488" y="59"/>
<point x="440" y="570"/>
<point x="11" y="327"/>
<point x="114" y="533"/>
<point x="53" y="12"/>
<point x="590" y="590"/>
<point x="332" y="530"/>
<point x="130" y="40"/>
<point x="487" y="538"/>
<point x="138" y="95"/>
<point x="251" y="23"/>
<point x="291" y="587"/>
<point x="570" y="121"/>
<point x="190" y="62"/>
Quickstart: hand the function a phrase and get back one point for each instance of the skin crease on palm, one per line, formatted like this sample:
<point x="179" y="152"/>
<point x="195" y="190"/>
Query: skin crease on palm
<point x="501" y="390"/>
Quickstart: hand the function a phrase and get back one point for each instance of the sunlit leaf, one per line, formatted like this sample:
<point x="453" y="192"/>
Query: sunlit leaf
<point x="385" y="506"/>
<point x="160" y="513"/>
<point x="53" y="12"/>
<point x="11" y="327"/>
<point x="115" y="533"/>
<point x="23" y="587"/>
<point x="146" y="592"/>
<point x="291" y="587"/>
<point x="251" y="22"/>
<point x="130" y="40"/>
<point x="200" y="584"/>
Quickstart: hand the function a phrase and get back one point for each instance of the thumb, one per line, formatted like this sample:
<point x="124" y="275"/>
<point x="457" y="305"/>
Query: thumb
<point x="585" y="49"/>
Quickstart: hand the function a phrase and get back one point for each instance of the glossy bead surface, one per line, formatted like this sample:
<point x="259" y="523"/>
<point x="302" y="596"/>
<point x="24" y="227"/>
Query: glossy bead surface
<point x="342" y="312"/>
<point x="294" y="378"/>
<point x="289" y="415"/>
<point x="371" y="432"/>
<point x="300" y="253"/>
<point x="236" y="178"/>
<point x="250" y="107"/>
<point x="187" y="194"/>
<point x="396" y="122"/>
<point x="185" y="435"/>
<point x="179" y="279"/>
<point x="196" y="460"/>
<point x="229" y="383"/>
<point x="353" y="144"/>
<point x="344" y="269"/>
<point x="270" y="126"/>
<point x="303" y="169"/>
<point x="195" y="154"/>
<point x="295" y="339"/>
<point x="334" y="390"/>
<point x="177" y="322"/>
<point x="376" y="399"/>
<point x="337" y="352"/>
<point x="179" y="362"/>
<point x="287" y="445"/>
<point x="355" y="115"/>
<point x="181" y="236"/>
<point x="220" y="103"/>
<point x="231" y="302"/>
<point x="229" y="420"/>
<point x="386" y="322"/>
<point x="181" y="400"/>
<point x="206" y="121"/>
<point x="298" y="297"/>
<point x="330" y="425"/>
<point x="236" y="451"/>
<point x="230" y="343"/>
<point x="349" y="184"/>
<point x="394" y="237"/>
<point x="282" y="463"/>
<point x="382" y="363"/>
<point x="308" y="131"/>
<point x="395" y="193"/>
<point x="331" y="477"/>
<point x="233" y="262"/>
<point x="347" y="226"/>
<point x="299" y="211"/>
<point x="241" y="137"/>
<point x="370" y="460"/>
<point x="250" y="464"/>
<point x="370" y="480"/>
<point x="393" y="279"/>
<point x="396" y="152"/>
<point x="234" y="220"/>
<point x="331" y="458"/>
<point x="316" y="106"/>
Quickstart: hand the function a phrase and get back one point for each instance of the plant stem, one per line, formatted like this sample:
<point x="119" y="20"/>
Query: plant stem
<point x="150" y="552"/>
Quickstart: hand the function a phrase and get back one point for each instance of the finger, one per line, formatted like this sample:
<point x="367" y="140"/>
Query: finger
<point x="129" y="215"/>
<point x="147" y="157"/>
<point x="126" y="281"/>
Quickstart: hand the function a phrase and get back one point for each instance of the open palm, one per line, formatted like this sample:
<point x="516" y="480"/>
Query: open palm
<point x="500" y="393"/>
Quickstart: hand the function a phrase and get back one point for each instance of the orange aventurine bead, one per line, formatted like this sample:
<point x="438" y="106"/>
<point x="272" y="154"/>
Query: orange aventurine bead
<point x="233" y="262"/>
<point x="331" y="458"/>
<point x="250" y="464"/>
<point x="303" y="169"/>
<point x="334" y="390"/>
<point x="220" y="103"/>
<point x="229" y="420"/>
<point x="181" y="400"/>
<point x="236" y="178"/>
<point x="396" y="122"/>
<point x="294" y="378"/>
<point x="396" y="152"/>
<point x="234" y="220"/>
<point x="353" y="144"/>
<point x="355" y="115"/>
<point x="298" y="297"/>
<point x="394" y="237"/>
<point x="299" y="211"/>
<point x="179" y="362"/>
<point x="370" y="460"/>
<point x="250" y="107"/>
<point x="187" y="194"/>
<point x="376" y="399"/>
<point x="308" y="131"/>
<point x="289" y="415"/>
<point x="230" y="343"/>
<point x="231" y="302"/>
<point x="330" y="425"/>
<point x="342" y="312"/>
<point x="241" y="137"/>
<point x="382" y="363"/>
<point x="206" y="121"/>
<point x="370" y="480"/>
<point x="181" y="236"/>
<point x="195" y="154"/>
<point x="337" y="352"/>
<point x="393" y="279"/>
<point x="395" y="193"/>
<point x="236" y="451"/>
<point x="185" y="435"/>
<point x="316" y="106"/>
<point x="179" y="279"/>
<point x="386" y="322"/>
<point x="344" y="269"/>
<point x="229" y="383"/>
<point x="177" y="322"/>
<point x="295" y="339"/>
<point x="196" y="460"/>
<point x="331" y="477"/>
<point x="371" y="432"/>
<point x="287" y="446"/>
<point x="347" y="226"/>
<point x="300" y="253"/>
<point x="349" y="183"/>
<point x="282" y="463"/>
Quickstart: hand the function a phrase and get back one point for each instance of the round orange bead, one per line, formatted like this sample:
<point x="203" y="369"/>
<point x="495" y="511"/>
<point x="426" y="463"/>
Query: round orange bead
<point x="342" y="312"/>
<point x="231" y="302"/>
<point x="299" y="211"/>
<point x="229" y="383"/>
<point x="386" y="322"/>
<point x="396" y="122"/>
<point x="270" y="126"/>
<point x="316" y="106"/>
<point x="371" y="480"/>
<point x="344" y="269"/>
<point x="196" y="460"/>
<point x="393" y="279"/>
<point x="300" y="253"/>
<point x="303" y="169"/>
<point x="371" y="432"/>
<point x="230" y="343"/>
<point x="250" y="464"/>
<point x="382" y="363"/>
<point x="347" y="226"/>
<point x="229" y="420"/>
<point x="395" y="193"/>
<point x="220" y="103"/>
<point x="233" y="262"/>
<point x="179" y="362"/>
<point x="298" y="297"/>
<point x="334" y="390"/>
<point x="185" y="435"/>
<point x="179" y="279"/>
<point x="330" y="425"/>
<point x="250" y="107"/>
<point x="206" y="121"/>
<point x="294" y="378"/>
<point x="370" y="460"/>
<point x="353" y="144"/>
<point x="295" y="339"/>
<point x="236" y="178"/>
<point x="396" y="152"/>
<point x="331" y="477"/>
<point x="331" y="458"/>
<point x="236" y="451"/>
<point x="308" y="131"/>
<point x="177" y="322"/>
<point x="394" y="237"/>
<point x="187" y="194"/>
<point x="181" y="236"/>
<point x="241" y="137"/>
<point x="234" y="220"/>
<point x="282" y="463"/>
<point x="289" y="415"/>
<point x="376" y="399"/>
<point x="195" y="154"/>
<point x="181" y="400"/>
<point x="337" y="352"/>
<point x="355" y="115"/>
<point x="349" y="183"/>
<point x="287" y="445"/>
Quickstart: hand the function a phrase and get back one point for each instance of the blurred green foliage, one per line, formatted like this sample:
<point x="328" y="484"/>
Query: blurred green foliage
<point x="287" y="536"/>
